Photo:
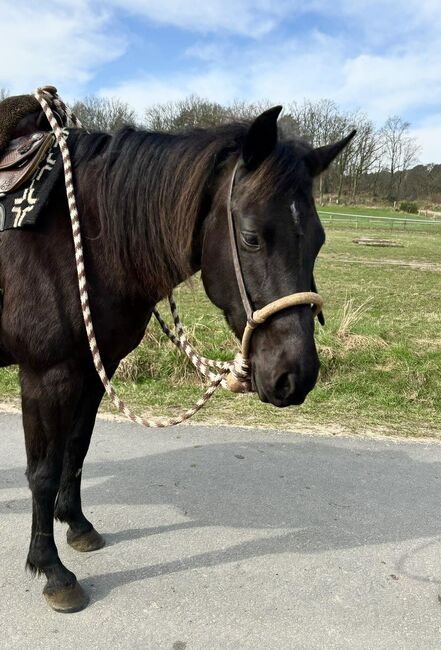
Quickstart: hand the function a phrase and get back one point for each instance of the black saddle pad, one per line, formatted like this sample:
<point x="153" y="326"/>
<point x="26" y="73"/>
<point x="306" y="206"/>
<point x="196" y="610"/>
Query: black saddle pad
<point x="21" y="208"/>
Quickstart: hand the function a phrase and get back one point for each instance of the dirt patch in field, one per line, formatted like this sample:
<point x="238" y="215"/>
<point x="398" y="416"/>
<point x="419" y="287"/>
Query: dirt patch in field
<point x="382" y="243"/>
<point x="418" y="265"/>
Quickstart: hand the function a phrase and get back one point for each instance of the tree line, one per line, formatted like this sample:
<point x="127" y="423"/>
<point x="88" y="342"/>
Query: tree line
<point x="379" y="165"/>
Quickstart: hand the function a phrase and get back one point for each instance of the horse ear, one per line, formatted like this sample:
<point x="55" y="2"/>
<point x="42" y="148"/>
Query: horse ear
<point x="319" y="159"/>
<point x="261" y="138"/>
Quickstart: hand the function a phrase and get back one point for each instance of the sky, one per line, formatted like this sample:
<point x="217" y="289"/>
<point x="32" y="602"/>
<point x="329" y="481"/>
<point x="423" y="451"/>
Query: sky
<point x="382" y="57"/>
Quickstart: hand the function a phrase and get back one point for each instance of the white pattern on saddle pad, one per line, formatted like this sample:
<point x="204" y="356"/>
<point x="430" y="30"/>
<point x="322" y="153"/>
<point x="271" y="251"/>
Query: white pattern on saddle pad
<point x="27" y="202"/>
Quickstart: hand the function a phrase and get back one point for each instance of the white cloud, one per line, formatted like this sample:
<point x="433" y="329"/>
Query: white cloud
<point x="282" y="72"/>
<point x="250" y="17"/>
<point x="382" y="57"/>
<point x="389" y="23"/>
<point x="217" y="85"/>
<point x="391" y="83"/>
<point x="428" y="135"/>
<point x="58" y="42"/>
<point x="317" y="66"/>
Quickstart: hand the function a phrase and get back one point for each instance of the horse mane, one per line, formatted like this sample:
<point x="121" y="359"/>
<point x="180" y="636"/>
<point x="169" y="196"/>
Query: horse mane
<point x="151" y="190"/>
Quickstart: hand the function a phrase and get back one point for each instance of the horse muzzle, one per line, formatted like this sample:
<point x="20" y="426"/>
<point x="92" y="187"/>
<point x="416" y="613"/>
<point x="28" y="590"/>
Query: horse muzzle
<point x="286" y="385"/>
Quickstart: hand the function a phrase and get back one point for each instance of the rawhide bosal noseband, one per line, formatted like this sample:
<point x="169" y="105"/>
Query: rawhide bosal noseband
<point x="233" y="375"/>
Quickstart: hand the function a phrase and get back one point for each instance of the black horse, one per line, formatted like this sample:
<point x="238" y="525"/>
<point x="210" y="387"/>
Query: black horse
<point x="153" y="212"/>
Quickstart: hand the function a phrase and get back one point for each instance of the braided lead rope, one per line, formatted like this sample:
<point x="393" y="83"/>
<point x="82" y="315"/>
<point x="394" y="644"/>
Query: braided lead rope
<point x="237" y="377"/>
<point x="202" y="364"/>
<point x="66" y="113"/>
<point x="213" y="363"/>
<point x="71" y="116"/>
<point x="44" y="96"/>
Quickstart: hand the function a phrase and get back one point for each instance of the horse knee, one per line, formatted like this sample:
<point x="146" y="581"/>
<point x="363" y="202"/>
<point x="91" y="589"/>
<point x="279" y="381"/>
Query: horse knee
<point x="42" y="483"/>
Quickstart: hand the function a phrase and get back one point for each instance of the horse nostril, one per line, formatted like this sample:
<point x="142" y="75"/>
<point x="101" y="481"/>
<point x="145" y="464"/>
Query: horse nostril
<point x="285" y="386"/>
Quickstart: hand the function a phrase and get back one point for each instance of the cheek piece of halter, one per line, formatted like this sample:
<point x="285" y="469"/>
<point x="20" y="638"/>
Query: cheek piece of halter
<point x="238" y="379"/>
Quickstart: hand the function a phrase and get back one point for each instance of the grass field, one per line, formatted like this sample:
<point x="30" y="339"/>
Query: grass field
<point x="380" y="349"/>
<point x="359" y="218"/>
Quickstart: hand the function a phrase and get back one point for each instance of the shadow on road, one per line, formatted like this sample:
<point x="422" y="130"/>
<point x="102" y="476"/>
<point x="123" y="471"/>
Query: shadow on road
<point x="324" y="496"/>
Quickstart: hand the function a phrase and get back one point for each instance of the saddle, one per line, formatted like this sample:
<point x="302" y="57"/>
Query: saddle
<point x="30" y="161"/>
<point x="25" y="139"/>
<point x="22" y="158"/>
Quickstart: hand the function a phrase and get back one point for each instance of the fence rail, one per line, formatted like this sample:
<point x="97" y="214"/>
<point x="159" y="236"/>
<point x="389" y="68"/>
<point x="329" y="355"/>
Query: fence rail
<point x="373" y="221"/>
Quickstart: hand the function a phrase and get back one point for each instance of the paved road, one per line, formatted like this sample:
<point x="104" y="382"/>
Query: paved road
<point x="224" y="539"/>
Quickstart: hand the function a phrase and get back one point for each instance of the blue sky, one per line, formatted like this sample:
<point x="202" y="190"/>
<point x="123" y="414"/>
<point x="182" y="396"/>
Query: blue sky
<point x="383" y="57"/>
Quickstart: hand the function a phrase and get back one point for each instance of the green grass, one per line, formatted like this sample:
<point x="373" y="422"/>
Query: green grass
<point x="421" y="248"/>
<point x="380" y="367"/>
<point x="386" y="219"/>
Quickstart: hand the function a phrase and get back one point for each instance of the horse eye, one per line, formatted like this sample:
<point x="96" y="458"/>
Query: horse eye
<point x="250" y="239"/>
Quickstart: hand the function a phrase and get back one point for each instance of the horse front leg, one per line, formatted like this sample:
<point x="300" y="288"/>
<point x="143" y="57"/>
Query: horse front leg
<point x="81" y="534"/>
<point x="48" y="400"/>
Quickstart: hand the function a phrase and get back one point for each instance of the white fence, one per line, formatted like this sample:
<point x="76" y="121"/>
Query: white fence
<point x="389" y="223"/>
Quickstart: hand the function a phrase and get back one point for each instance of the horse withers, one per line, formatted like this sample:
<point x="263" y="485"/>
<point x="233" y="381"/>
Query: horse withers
<point x="153" y="211"/>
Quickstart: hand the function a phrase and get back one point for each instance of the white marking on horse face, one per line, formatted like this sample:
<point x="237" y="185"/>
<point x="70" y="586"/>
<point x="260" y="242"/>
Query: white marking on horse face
<point x="295" y="213"/>
<point x="78" y="472"/>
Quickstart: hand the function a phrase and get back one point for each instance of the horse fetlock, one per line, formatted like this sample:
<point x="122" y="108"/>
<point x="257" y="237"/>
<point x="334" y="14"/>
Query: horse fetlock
<point x="66" y="510"/>
<point x="58" y="577"/>
<point x="42" y="553"/>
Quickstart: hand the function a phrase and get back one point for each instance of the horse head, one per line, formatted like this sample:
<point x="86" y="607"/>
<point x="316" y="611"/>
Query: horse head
<point x="277" y="234"/>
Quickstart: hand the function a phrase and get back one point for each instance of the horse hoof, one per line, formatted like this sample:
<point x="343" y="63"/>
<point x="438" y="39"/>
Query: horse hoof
<point x="85" y="542"/>
<point x="67" y="599"/>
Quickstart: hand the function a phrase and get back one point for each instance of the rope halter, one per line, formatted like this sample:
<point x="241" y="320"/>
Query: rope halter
<point x="239" y="379"/>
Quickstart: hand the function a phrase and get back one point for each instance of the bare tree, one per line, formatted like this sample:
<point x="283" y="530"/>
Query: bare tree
<point x="401" y="152"/>
<point x="161" y="117"/>
<point x="366" y="149"/>
<point x="376" y="163"/>
<point x="409" y="156"/>
<point x="320" y="122"/>
<point x="196" y="112"/>
<point x="104" y="114"/>
<point x="242" y="111"/>
<point x="189" y="113"/>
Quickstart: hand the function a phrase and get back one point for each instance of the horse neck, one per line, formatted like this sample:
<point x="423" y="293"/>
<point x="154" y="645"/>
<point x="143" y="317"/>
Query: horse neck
<point x="150" y="213"/>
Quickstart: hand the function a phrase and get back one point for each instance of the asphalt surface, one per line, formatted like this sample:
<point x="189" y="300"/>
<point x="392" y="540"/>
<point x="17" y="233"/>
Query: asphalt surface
<point x="221" y="538"/>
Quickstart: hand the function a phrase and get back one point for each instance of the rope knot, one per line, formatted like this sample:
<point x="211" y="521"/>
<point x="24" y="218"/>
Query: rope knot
<point x="239" y="380"/>
<point x="47" y="90"/>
